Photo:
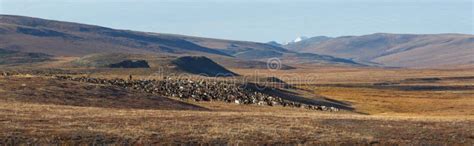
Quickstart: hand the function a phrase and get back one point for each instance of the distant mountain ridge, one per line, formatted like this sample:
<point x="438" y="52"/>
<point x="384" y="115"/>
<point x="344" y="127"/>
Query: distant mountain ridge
<point x="66" y="36"/>
<point x="398" y="50"/>
<point x="27" y="34"/>
<point x="57" y="38"/>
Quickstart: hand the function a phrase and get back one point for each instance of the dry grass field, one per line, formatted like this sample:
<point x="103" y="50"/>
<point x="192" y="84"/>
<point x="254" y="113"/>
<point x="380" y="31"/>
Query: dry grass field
<point x="32" y="110"/>
<point x="312" y="74"/>
<point x="388" y="101"/>
<point x="71" y="124"/>
<point x="420" y="92"/>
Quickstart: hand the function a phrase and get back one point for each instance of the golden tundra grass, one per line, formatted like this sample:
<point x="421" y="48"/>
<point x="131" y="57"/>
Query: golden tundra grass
<point x="344" y="75"/>
<point x="264" y="125"/>
<point x="389" y="102"/>
<point x="394" y="115"/>
<point x="385" y="101"/>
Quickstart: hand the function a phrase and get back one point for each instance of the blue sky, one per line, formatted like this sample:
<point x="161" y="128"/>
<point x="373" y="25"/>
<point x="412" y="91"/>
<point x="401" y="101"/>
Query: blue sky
<point x="258" y="20"/>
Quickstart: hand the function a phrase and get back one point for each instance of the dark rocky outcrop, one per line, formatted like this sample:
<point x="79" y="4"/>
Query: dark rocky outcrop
<point x="201" y="65"/>
<point x="130" y="64"/>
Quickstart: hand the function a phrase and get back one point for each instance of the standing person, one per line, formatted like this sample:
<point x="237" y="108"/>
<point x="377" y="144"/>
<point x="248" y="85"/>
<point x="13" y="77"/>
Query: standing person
<point x="130" y="77"/>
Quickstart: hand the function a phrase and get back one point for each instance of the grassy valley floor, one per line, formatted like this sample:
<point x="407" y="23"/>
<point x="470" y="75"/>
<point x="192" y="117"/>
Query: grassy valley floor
<point x="41" y="110"/>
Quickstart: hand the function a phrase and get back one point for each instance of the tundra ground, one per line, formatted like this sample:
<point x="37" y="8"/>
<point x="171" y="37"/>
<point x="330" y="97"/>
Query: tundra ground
<point x="390" y="107"/>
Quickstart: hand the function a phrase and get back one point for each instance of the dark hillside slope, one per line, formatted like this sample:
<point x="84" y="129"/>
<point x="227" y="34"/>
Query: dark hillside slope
<point x="27" y="34"/>
<point x="73" y="39"/>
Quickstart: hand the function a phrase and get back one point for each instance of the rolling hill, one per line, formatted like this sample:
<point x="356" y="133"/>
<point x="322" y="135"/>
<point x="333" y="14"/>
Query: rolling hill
<point x="27" y="34"/>
<point x="8" y="57"/>
<point x="397" y="50"/>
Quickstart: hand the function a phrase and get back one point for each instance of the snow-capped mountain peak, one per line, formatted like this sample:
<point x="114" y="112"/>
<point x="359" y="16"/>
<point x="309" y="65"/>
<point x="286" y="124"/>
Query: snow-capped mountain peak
<point x="298" y="39"/>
